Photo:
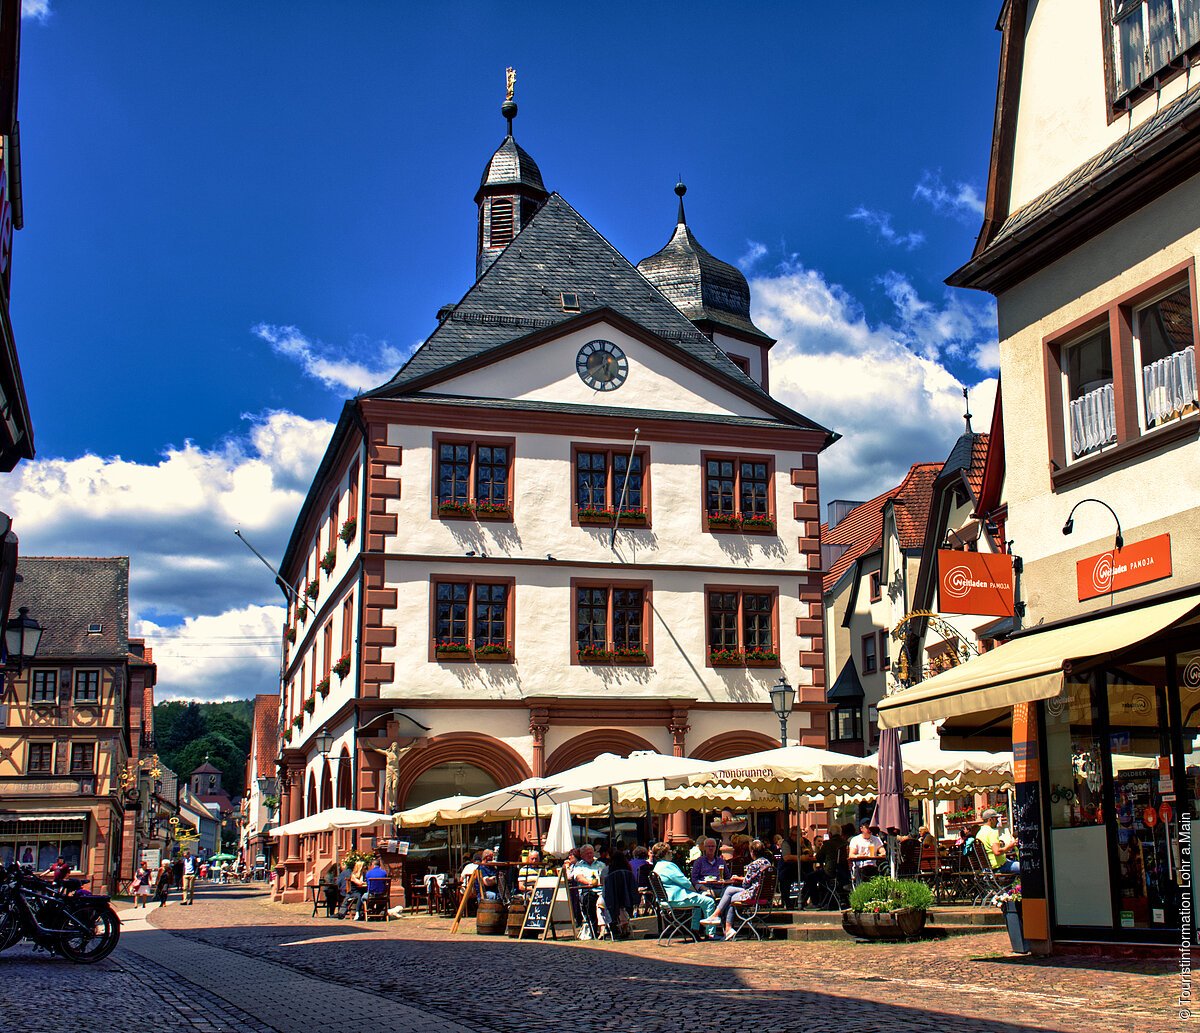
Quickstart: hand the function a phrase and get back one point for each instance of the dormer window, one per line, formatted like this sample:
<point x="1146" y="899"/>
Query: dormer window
<point x="1148" y="39"/>
<point x="570" y="301"/>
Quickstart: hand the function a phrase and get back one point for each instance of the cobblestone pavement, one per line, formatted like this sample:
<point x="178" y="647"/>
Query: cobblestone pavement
<point x="237" y="962"/>
<point x="413" y="974"/>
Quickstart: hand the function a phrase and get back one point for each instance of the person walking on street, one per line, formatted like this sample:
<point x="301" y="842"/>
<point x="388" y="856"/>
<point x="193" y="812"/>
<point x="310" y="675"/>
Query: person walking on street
<point x="189" y="878"/>
<point x="163" y="886"/>
<point x="141" y="884"/>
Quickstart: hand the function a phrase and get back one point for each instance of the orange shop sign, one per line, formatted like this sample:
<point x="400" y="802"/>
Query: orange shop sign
<point x="975" y="582"/>
<point x="1136" y="564"/>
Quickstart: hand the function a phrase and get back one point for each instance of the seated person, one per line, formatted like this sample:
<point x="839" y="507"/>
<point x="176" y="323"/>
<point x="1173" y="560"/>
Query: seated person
<point x="619" y="898"/>
<point x="746" y="889"/>
<point x="487" y="878"/>
<point x="528" y="873"/>
<point x="679" y="890"/>
<point x="588" y="874"/>
<point x="356" y="888"/>
<point x="639" y="861"/>
<point x="376" y="877"/>
<point x="865" y="851"/>
<point x="708" y="868"/>
<point x="997" y="847"/>
<point x="329" y="887"/>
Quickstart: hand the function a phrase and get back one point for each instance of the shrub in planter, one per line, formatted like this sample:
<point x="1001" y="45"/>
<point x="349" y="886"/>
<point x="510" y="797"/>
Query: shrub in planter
<point x="313" y="590"/>
<point x="302" y="612"/>
<point x="757" y="522"/>
<point x="493" y="510"/>
<point x="762" y="658"/>
<point x="297" y="721"/>
<point x="887" y="909"/>
<point x="329" y="560"/>
<point x="633" y="517"/>
<point x="594" y="515"/>
<point x="342" y="667"/>
<point x="323" y="686"/>
<point x="630" y="655"/>
<point x="310" y="704"/>
<point x="724" y="522"/>
<point x="291" y="635"/>
<point x="346" y="534"/>
<point x="448" y="650"/>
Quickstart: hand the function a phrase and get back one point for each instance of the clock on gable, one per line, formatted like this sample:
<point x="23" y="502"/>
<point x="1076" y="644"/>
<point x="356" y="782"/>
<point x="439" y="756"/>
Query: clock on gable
<point x="602" y="365"/>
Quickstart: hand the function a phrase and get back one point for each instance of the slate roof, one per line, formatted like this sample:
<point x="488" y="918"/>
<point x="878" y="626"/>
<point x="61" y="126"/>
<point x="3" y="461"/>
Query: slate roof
<point x="847" y="686"/>
<point x="702" y="287"/>
<point x="66" y="594"/>
<point x="206" y="769"/>
<point x="511" y="165"/>
<point x="520" y="292"/>
<point x="968" y="457"/>
<point x="266" y="734"/>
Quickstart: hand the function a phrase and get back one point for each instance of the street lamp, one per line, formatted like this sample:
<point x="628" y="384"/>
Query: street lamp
<point x="324" y="742"/>
<point x="22" y="635"/>
<point x="783" y="698"/>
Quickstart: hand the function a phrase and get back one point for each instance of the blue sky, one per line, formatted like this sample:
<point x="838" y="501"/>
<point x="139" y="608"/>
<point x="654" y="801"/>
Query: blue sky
<point x="236" y="213"/>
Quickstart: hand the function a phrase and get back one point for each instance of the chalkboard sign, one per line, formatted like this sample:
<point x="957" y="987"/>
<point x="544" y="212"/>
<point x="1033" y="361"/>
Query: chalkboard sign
<point x="549" y="905"/>
<point x="1027" y="827"/>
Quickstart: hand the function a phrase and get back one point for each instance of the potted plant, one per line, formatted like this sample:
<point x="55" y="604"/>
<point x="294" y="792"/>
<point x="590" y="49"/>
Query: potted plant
<point x="633" y="516"/>
<point x="302" y="612"/>
<point x="630" y="655"/>
<point x="594" y="516"/>
<point x="310" y="704"/>
<point x="487" y="510"/>
<point x="328" y="561"/>
<point x="290" y="634"/>
<point x="493" y="652"/>
<point x="297" y="721"/>
<point x="454" y="508"/>
<point x="1009" y="903"/>
<point x="313" y="590"/>
<point x="724" y="522"/>
<point x="757" y="522"/>
<point x="887" y="909"/>
<point x="346" y="534"/>
<point x="448" y="649"/>
<point x="593" y="653"/>
<point x="725" y="658"/>
<point x="342" y="667"/>
<point x="323" y="686"/>
<point x="762" y="658"/>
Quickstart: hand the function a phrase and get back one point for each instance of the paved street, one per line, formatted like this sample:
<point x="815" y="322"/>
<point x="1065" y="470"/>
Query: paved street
<point x="236" y="962"/>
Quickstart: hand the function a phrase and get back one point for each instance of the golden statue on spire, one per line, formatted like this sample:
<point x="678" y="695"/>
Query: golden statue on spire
<point x="510" y="80"/>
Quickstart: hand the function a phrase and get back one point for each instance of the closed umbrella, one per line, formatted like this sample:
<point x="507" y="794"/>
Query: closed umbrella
<point x="559" y="838"/>
<point x="891" y="812"/>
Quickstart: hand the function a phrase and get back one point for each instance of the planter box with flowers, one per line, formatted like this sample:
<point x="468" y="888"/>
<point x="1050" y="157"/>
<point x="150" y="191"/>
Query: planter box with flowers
<point x="485" y="510"/>
<point x="493" y="653"/>
<point x="323" y="686"/>
<point x="757" y="523"/>
<point x="631" y="656"/>
<point x="888" y="909"/>
<point x="459" y="509"/>
<point x="297" y="721"/>
<point x="342" y="667"/>
<point x="1009" y="903"/>
<point x="762" y="658"/>
<point x="632" y="517"/>
<point x="452" y="650"/>
<point x="595" y="516"/>
<point x="957" y="819"/>
<point x="329" y="561"/>
<point x="310" y="704"/>
<point x="346" y="534"/>
<point x="313" y="590"/>
<point x="302" y="612"/>
<point x="726" y="658"/>
<point x="594" y="654"/>
<point x="724" y="522"/>
<point x="290" y="635"/>
<point x="287" y="735"/>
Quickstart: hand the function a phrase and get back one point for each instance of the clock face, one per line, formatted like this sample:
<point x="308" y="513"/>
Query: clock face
<point x="602" y="365"/>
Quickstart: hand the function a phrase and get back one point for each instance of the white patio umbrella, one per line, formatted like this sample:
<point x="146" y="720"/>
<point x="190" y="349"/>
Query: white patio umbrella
<point x="450" y="810"/>
<point x="931" y="771"/>
<point x="531" y="792"/>
<point x="332" y="818"/>
<point x="795" y="769"/>
<point x="559" y="837"/>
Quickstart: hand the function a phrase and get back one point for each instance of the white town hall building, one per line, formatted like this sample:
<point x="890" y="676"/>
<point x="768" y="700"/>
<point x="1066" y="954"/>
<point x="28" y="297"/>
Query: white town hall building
<point x="574" y="522"/>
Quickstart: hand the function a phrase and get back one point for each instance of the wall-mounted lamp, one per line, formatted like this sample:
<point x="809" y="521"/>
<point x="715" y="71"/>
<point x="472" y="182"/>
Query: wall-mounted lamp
<point x="1069" y="526"/>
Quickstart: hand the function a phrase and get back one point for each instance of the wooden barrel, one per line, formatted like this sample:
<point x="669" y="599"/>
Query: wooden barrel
<point x="516" y="916"/>
<point x="490" y="918"/>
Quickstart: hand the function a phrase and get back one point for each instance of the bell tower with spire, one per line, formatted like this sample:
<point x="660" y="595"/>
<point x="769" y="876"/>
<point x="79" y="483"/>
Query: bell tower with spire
<point x="510" y="191"/>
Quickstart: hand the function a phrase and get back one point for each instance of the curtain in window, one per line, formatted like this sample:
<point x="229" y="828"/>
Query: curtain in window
<point x="1160" y="18"/>
<point x="1130" y="45"/>
<point x="1093" y="421"/>
<point x="1169" y="386"/>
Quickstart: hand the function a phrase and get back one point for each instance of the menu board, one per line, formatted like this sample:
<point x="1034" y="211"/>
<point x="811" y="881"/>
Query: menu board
<point x="1027" y="827"/>
<point x="549" y="906"/>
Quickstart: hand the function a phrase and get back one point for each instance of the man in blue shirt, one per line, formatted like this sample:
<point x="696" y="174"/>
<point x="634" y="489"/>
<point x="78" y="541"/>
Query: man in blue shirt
<point x="486" y="877"/>
<point x="708" y="868"/>
<point x="376" y="876"/>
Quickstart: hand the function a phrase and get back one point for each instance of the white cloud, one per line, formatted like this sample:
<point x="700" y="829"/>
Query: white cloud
<point x="881" y="223"/>
<point x="338" y="372"/>
<point x="38" y="10"/>
<point x="959" y="201"/>
<point x="894" y="403"/>
<point x="963" y="326"/>
<point x="175" y="519"/>
<point x="754" y="252"/>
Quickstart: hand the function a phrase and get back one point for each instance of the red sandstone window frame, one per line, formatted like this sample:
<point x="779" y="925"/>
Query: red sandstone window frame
<point x="741" y="591"/>
<point x="611" y="585"/>
<point x="737" y="458"/>
<point x="1131" y="441"/>
<point x="327" y="648"/>
<point x="348" y="624"/>
<point x="474" y="441"/>
<point x="352" y="479"/>
<point x="510" y="611"/>
<point x="611" y="496"/>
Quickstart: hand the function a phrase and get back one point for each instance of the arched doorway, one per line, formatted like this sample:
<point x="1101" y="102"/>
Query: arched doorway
<point x="734" y="743"/>
<point x="448" y="848"/>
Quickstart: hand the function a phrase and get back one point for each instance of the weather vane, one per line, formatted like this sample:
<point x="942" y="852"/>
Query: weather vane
<point x="510" y="80"/>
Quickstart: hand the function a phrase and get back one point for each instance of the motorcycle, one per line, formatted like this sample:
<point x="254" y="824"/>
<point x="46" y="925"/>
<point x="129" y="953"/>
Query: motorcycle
<point x="56" y="917"/>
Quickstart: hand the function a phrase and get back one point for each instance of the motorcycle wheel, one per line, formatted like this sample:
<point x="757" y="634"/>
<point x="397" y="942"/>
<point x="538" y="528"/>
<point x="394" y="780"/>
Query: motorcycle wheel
<point x="10" y="929"/>
<point x="103" y="930"/>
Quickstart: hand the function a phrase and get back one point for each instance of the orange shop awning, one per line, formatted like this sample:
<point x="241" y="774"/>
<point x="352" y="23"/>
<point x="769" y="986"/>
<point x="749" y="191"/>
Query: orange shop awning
<point x="1029" y="667"/>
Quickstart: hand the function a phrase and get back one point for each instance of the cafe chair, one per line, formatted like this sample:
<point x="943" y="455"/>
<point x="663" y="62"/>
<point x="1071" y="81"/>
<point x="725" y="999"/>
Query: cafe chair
<point x="673" y="919"/>
<point x="377" y="900"/>
<point x="827" y="891"/>
<point x="751" y="915"/>
<point x="988" y="883"/>
<point x="620" y="899"/>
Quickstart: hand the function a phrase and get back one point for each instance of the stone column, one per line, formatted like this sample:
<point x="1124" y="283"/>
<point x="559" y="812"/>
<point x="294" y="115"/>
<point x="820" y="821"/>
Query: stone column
<point x="677" y="825"/>
<point x="539" y="724"/>
<point x="296" y="808"/>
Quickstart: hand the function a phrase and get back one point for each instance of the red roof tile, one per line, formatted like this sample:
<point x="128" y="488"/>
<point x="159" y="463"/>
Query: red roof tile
<point x="913" y="499"/>
<point x="266" y="734"/>
<point x="979" y="452"/>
